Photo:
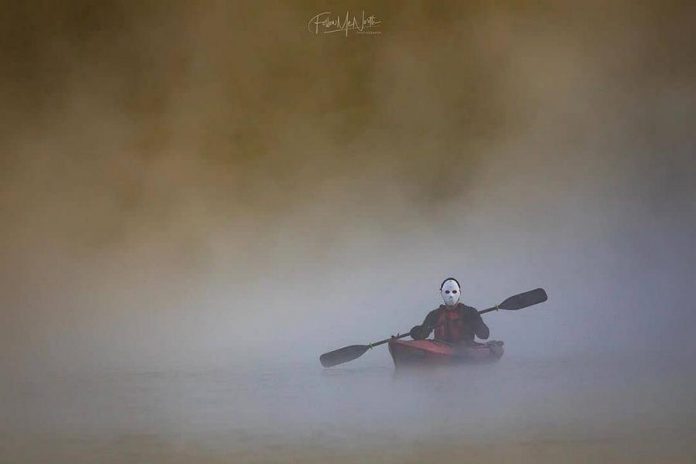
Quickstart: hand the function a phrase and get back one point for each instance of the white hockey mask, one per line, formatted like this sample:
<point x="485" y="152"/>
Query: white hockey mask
<point x="450" y="292"/>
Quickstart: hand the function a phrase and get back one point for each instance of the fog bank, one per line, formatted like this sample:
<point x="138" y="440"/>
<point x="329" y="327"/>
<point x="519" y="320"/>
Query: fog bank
<point x="209" y="183"/>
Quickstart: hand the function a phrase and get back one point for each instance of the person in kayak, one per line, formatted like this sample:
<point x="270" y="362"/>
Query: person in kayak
<point x="453" y="322"/>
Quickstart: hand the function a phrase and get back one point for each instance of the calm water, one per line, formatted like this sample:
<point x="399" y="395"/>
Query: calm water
<point x="540" y="409"/>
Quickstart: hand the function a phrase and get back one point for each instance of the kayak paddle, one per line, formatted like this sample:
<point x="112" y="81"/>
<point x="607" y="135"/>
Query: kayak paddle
<point x="520" y="301"/>
<point x="349" y="353"/>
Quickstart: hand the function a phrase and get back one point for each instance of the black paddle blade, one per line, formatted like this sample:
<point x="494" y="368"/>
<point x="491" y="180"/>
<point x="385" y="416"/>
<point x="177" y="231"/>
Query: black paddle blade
<point x="525" y="299"/>
<point x="343" y="355"/>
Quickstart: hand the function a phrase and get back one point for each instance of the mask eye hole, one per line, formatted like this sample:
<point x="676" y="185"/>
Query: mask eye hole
<point x="447" y="292"/>
<point x="454" y="291"/>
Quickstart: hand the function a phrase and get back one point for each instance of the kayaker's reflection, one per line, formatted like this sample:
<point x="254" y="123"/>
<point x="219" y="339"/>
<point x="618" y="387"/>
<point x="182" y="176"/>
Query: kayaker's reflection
<point x="453" y="322"/>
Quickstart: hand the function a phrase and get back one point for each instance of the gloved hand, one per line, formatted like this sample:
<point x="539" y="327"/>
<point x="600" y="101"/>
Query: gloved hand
<point x="418" y="332"/>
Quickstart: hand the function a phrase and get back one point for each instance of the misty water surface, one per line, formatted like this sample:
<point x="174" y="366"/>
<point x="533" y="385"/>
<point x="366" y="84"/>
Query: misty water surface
<point x="275" y="412"/>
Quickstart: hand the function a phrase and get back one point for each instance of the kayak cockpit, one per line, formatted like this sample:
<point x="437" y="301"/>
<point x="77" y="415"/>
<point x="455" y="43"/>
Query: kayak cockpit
<point x="438" y="353"/>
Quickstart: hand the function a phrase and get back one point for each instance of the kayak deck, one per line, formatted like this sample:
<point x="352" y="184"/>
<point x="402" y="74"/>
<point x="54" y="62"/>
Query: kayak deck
<point x="438" y="353"/>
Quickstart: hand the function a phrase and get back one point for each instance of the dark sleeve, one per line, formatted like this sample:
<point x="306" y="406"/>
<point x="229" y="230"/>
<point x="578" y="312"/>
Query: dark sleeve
<point x="429" y="322"/>
<point x="480" y="327"/>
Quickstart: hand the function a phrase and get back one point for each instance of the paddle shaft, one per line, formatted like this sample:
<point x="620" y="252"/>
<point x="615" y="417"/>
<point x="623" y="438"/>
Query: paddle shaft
<point x="382" y="342"/>
<point x="386" y="340"/>
<point x="484" y="311"/>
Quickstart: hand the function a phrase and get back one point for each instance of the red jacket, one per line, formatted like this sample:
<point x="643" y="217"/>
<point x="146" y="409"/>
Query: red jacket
<point x="456" y="324"/>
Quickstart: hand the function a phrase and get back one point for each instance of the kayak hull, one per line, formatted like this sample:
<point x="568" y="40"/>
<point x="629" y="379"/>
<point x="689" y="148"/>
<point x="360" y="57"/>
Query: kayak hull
<point x="437" y="353"/>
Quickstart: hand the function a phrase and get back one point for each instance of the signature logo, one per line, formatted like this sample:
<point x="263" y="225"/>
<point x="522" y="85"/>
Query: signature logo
<point x="328" y="23"/>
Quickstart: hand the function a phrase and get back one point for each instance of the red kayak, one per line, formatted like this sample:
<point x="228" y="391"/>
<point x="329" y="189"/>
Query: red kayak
<point x="438" y="353"/>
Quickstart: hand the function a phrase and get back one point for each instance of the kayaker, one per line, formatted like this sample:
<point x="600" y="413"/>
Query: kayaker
<point x="453" y="322"/>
